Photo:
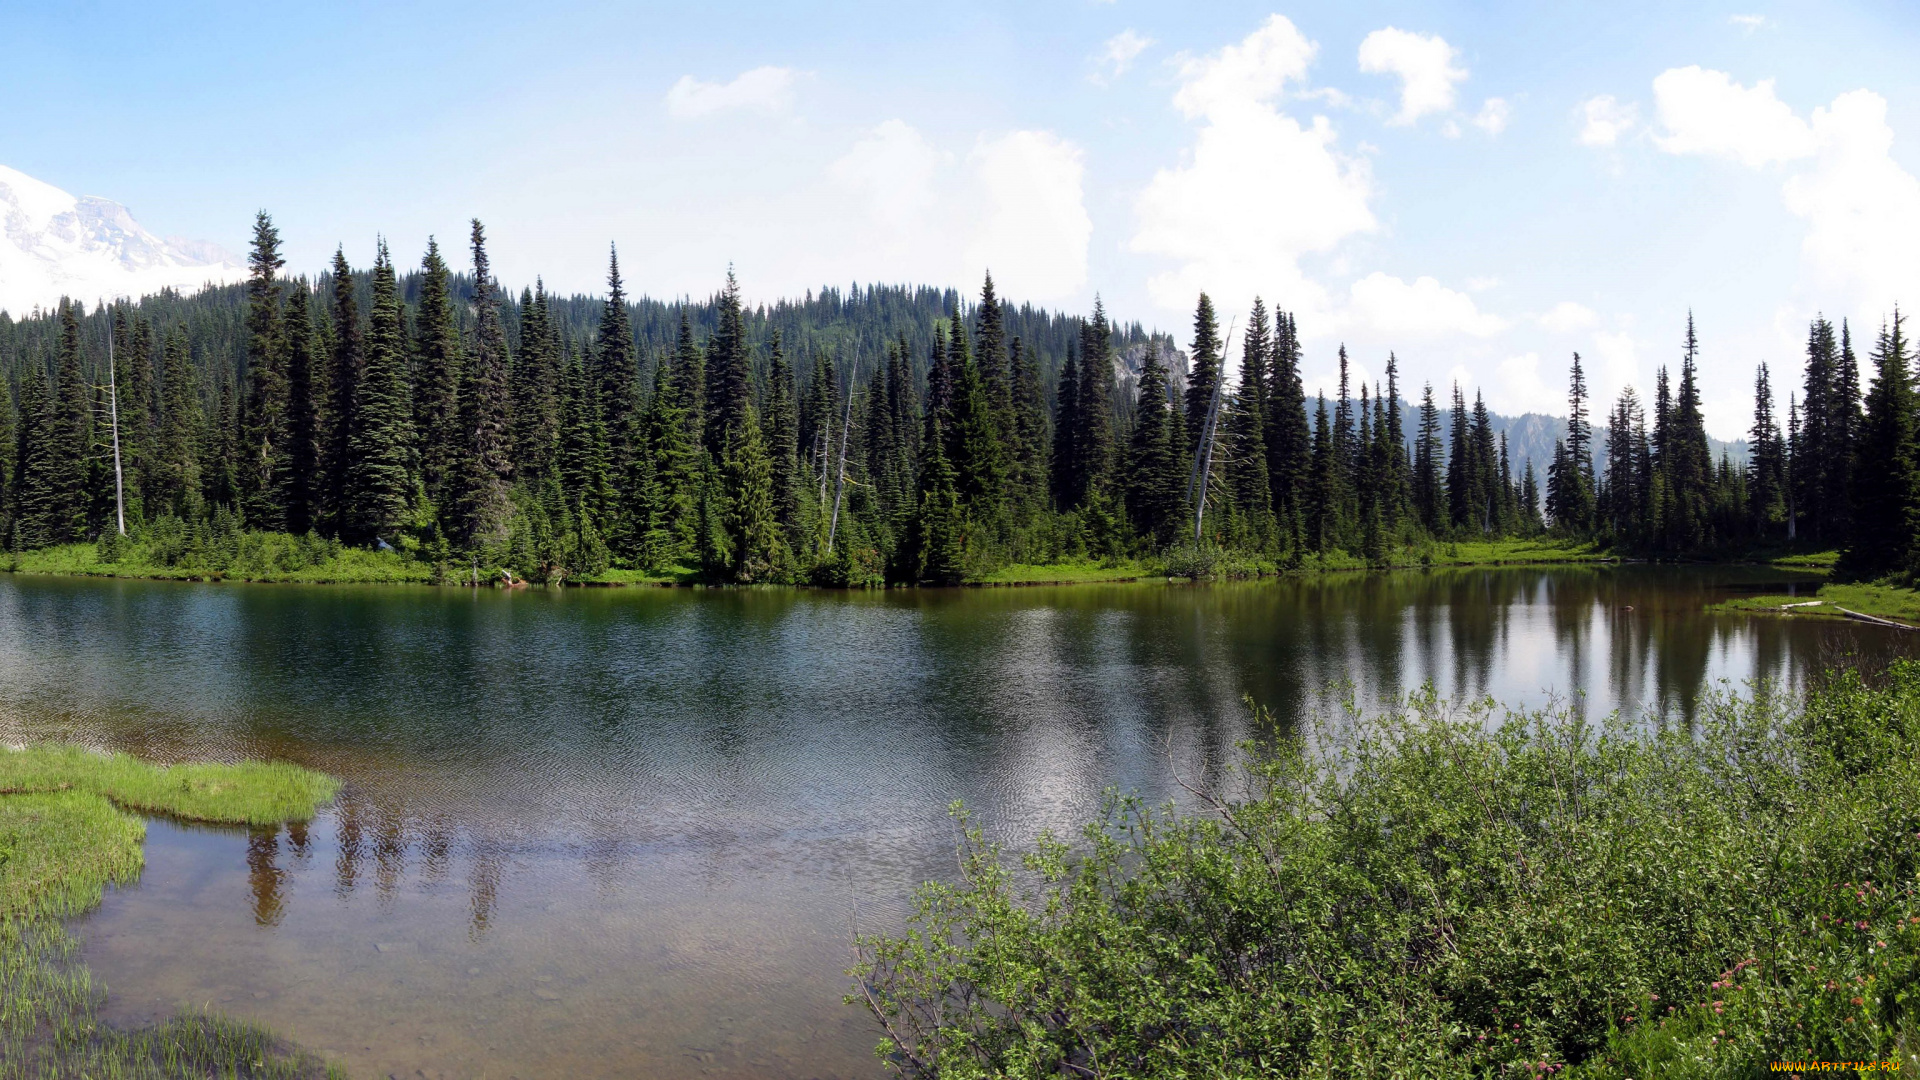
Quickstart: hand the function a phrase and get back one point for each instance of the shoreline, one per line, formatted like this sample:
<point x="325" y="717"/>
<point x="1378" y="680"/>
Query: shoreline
<point x="377" y="568"/>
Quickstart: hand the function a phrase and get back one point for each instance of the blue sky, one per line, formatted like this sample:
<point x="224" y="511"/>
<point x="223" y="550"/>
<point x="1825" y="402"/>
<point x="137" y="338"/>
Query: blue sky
<point x="1752" y="161"/>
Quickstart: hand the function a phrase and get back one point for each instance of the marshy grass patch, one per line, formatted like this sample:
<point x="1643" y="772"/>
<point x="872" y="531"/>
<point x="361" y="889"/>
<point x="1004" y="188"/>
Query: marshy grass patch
<point x="69" y="827"/>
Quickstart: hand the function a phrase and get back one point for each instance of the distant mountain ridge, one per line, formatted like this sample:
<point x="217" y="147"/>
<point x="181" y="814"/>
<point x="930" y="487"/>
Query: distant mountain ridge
<point x="53" y="244"/>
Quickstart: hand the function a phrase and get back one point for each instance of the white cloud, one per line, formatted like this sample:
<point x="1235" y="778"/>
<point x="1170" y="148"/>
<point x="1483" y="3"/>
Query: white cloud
<point x="1118" y="54"/>
<point x="1034" y="229"/>
<point x="1613" y="366"/>
<point x="1246" y="75"/>
<point x="892" y="169"/>
<point x="1749" y="23"/>
<point x="1518" y="387"/>
<point x="1257" y="191"/>
<point x="1566" y="317"/>
<point x="915" y="212"/>
<point x="1706" y="112"/>
<point x="1482" y="284"/>
<point x="766" y="90"/>
<point x="1493" y="116"/>
<point x="1861" y="207"/>
<point x="1386" y="308"/>
<point x="1424" y="63"/>
<point x="1606" y="119"/>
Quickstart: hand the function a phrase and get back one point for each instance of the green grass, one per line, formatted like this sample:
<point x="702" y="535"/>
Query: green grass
<point x="1509" y="552"/>
<point x="1884" y="601"/>
<point x="1451" y="890"/>
<point x="275" y="558"/>
<point x="67" y="831"/>
<point x="1071" y="572"/>
<point x="673" y="575"/>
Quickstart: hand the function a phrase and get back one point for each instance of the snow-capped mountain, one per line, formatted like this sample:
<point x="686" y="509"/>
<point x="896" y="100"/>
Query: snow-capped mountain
<point x="53" y="244"/>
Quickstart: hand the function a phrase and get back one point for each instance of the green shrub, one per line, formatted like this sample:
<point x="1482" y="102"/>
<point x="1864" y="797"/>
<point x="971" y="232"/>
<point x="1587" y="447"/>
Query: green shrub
<point x="1435" y="891"/>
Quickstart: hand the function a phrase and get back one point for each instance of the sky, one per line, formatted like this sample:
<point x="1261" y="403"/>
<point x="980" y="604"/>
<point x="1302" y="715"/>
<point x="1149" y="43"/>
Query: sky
<point x="1483" y="189"/>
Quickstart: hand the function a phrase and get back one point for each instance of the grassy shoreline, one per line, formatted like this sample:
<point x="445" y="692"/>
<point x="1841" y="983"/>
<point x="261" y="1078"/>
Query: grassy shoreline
<point x="290" y="564"/>
<point x="70" y="827"/>
<point x="1834" y="601"/>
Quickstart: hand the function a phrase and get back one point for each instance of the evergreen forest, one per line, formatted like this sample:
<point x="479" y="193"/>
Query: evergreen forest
<point x="866" y="436"/>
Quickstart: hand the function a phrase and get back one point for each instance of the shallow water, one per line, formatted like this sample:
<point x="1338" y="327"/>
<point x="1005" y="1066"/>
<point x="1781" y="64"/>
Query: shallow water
<point x="629" y="832"/>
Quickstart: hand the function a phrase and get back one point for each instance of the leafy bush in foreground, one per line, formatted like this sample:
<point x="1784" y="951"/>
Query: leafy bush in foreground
<point x="1442" y="892"/>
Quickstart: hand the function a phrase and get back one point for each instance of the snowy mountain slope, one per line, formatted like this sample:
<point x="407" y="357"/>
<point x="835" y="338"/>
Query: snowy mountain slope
<point x="53" y="244"/>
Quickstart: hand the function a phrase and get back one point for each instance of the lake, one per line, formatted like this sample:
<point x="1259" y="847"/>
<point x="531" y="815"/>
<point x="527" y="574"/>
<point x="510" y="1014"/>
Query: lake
<point x="620" y="832"/>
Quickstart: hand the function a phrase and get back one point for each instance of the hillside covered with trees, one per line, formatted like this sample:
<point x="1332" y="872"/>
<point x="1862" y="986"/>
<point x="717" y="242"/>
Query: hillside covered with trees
<point x="877" y="434"/>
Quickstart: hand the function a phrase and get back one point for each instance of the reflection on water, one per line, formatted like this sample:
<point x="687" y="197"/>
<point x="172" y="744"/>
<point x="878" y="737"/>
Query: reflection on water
<point x="627" y="832"/>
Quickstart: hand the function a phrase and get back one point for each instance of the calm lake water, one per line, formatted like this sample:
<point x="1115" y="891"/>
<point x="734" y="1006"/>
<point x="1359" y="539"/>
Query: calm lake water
<point x="601" y="833"/>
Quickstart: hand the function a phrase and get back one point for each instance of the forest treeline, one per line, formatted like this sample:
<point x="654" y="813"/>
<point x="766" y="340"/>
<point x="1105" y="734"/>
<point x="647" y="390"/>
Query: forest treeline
<point x="877" y="435"/>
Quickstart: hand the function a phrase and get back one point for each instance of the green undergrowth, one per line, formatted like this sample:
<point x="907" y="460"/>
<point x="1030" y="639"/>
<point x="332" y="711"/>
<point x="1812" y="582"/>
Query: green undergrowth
<point x="1441" y="891"/>
<point x="250" y="556"/>
<point x="68" y="830"/>
<point x="1893" y="602"/>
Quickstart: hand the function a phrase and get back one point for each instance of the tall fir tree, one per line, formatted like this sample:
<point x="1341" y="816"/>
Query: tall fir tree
<point x="729" y="376"/>
<point x="302" y="484"/>
<point x="436" y="391"/>
<point x="1156" y="458"/>
<point x="380" y="446"/>
<point x="265" y="436"/>
<point x="343" y="406"/>
<point x="1289" y="442"/>
<point x="486" y="467"/>
<point x="1203" y="369"/>
<point x="1886" y="480"/>
<point x="1429" y="489"/>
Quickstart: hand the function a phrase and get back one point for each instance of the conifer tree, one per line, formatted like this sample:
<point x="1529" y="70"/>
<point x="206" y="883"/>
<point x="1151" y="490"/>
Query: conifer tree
<point x="1289" y="444"/>
<point x="783" y="439"/>
<point x="582" y="453"/>
<point x="1156" y="466"/>
<point x="1767" y="468"/>
<point x="133" y="379"/>
<point x="32" y="508"/>
<point x="219" y="452"/>
<point x="537" y="378"/>
<point x="729" y="389"/>
<point x="1067" y="481"/>
<point x="349" y="364"/>
<point x="1399" y="495"/>
<point x="1688" y="461"/>
<point x="486" y="419"/>
<point x="380" y="445"/>
<point x="1247" y="477"/>
<point x="302" y="484"/>
<point x="978" y="464"/>
<point x="617" y="371"/>
<point x="1094" y="443"/>
<point x="1483" y="467"/>
<point x="264" y="443"/>
<point x="1323" y="485"/>
<point x="176" y="458"/>
<point x="437" y="379"/>
<point x="1886" y="480"/>
<point x="1346" y="446"/>
<point x="938" y="544"/>
<point x="689" y="382"/>
<point x="991" y="356"/>
<point x="1203" y="370"/>
<point x="1032" y="433"/>
<point x="69" y="435"/>
<point x="1577" y="499"/>
<point x="1429" y="491"/>
<point x="10" y="428"/>
<point x="756" y="550"/>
